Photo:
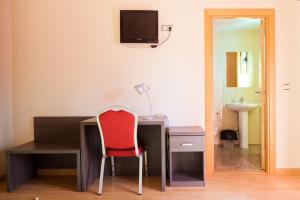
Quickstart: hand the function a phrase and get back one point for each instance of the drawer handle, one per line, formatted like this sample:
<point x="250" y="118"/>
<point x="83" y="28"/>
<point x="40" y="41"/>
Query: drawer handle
<point x="187" y="144"/>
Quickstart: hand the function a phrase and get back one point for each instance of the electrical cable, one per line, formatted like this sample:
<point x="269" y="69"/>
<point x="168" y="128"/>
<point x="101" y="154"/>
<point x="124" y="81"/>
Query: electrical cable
<point x="156" y="45"/>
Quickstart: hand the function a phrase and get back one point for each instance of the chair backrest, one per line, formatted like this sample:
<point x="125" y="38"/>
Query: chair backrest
<point x="118" y="129"/>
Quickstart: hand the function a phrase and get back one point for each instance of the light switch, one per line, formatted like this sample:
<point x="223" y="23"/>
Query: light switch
<point x="286" y="86"/>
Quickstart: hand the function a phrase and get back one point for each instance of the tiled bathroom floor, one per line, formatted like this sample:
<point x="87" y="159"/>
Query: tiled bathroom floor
<point x="237" y="159"/>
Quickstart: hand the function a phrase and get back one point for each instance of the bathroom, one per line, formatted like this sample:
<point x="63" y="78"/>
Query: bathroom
<point x="237" y="60"/>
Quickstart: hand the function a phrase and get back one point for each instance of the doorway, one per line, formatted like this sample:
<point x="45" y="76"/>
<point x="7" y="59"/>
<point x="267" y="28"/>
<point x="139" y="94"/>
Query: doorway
<point x="267" y="89"/>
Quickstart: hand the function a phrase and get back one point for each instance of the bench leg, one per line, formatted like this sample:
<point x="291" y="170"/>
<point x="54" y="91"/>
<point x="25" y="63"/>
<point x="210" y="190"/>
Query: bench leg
<point x="78" y="167"/>
<point x="20" y="169"/>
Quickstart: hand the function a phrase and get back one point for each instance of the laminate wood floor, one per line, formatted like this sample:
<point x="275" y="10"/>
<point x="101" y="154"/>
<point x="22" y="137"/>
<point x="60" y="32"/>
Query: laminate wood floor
<point x="221" y="186"/>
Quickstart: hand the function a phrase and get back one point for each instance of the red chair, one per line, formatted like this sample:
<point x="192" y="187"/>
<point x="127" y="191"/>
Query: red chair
<point x="118" y="132"/>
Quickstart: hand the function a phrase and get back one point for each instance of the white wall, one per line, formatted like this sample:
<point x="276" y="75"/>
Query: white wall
<point x="68" y="61"/>
<point x="288" y="108"/>
<point x="233" y="41"/>
<point x="5" y="80"/>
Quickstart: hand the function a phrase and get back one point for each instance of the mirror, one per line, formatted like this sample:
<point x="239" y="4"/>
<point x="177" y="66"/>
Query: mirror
<point x="238" y="72"/>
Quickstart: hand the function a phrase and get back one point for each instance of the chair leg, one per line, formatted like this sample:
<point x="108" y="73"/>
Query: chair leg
<point x="112" y="166"/>
<point x="141" y="174"/>
<point x="101" y="175"/>
<point x="146" y="162"/>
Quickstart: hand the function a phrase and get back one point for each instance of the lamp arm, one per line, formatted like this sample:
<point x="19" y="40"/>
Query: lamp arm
<point x="149" y="101"/>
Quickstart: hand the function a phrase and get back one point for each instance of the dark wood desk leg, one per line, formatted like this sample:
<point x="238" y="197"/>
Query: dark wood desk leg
<point x="163" y="158"/>
<point x="8" y="172"/>
<point x="83" y="159"/>
<point x="20" y="169"/>
<point x="90" y="155"/>
<point x="78" y="164"/>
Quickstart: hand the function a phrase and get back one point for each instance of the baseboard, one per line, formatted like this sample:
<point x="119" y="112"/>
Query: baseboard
<point x="57" y="172"/>
<point x="288" y="171"/>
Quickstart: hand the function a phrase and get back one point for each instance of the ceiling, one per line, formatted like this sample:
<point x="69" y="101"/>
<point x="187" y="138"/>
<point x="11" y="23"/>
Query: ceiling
<point x="236" y="24"/>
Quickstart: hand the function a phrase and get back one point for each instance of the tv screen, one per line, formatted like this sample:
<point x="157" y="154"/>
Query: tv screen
<point x="139" y="26"/>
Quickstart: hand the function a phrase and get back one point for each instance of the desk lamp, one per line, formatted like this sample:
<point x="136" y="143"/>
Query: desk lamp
<point x="143" y="88"/>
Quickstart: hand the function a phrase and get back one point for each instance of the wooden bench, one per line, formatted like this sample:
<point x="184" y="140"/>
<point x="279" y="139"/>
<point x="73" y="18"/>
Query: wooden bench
<point x="56" y="145"/>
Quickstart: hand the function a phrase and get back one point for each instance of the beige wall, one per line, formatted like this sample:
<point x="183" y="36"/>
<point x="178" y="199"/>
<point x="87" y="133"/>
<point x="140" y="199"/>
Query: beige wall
<point x="68" y="61"/>
<point x="288" y="70"/>
<point x="5" y="80"/>
<point x="232" y="41"/>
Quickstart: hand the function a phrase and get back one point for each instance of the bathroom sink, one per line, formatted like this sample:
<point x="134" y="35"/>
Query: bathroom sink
<point x="241" y="107"/>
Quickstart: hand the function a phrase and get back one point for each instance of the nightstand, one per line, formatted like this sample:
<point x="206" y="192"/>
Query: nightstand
<point x="186" y="153"/>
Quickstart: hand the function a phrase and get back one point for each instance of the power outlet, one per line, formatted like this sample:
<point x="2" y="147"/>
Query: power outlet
<point x="167" y="28"/>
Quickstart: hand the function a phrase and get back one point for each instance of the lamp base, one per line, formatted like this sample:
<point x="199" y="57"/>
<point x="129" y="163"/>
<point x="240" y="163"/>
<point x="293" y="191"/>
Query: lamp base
<point x="147" y="117"/>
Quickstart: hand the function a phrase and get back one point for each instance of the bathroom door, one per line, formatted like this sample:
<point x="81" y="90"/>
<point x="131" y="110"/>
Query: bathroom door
<point x="262" y="93"/>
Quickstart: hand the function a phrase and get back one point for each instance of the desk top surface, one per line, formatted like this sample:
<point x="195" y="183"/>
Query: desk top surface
<point x="156" y="120"/>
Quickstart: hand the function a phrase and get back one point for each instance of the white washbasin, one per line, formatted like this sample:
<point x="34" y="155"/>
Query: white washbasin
<point x="241" y="107"/>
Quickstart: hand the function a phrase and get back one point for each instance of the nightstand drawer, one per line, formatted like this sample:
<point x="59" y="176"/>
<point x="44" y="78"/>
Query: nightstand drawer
<point x="187" y="143"/>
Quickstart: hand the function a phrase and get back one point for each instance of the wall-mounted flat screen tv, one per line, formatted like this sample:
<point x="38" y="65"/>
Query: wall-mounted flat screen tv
<point x="139" y="26"/>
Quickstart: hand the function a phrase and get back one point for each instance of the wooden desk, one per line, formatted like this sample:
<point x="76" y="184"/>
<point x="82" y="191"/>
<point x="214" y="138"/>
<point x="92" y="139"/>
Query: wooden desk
<point x="152" y="132"/>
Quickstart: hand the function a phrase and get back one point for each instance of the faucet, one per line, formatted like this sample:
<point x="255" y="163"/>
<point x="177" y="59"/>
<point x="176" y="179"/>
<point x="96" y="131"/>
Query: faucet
<point x="241" y="100"/>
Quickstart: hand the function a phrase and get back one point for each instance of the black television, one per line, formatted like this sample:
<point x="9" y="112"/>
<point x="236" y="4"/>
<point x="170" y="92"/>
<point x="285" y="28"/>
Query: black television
<point x="139" y="26"/>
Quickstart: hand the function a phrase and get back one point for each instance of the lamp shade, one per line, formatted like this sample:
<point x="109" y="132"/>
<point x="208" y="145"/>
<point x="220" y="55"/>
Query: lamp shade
<point x="141" y="88"/>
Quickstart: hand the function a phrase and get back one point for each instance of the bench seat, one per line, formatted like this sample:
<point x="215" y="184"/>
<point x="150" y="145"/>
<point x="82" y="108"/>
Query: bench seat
<point x="56" y="145"/>
<point x="45" y="148"/>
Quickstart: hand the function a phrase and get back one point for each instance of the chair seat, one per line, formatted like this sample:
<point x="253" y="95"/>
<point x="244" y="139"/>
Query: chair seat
<point x="124" y="152"/>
